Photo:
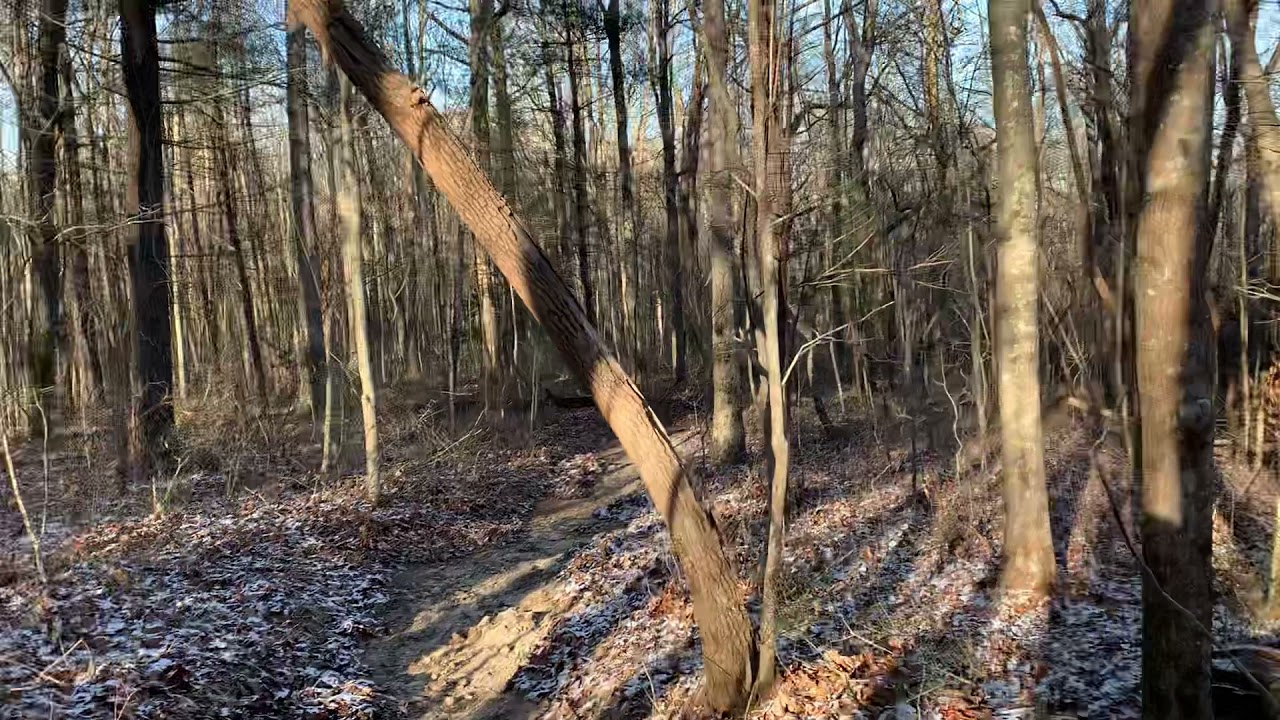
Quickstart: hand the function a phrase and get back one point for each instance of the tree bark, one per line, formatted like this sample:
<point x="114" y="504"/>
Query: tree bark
<point x="349" y="211"/>
<point x="311" y="338"/>
<point x="481" y="18"/>
<point x="718" y="608"/>
<point x="629" y="209"/>
<point x="728" y="443"/>
<point x="85" y="329"/>
<point x="1028" y="545"/>
<point x="148" y="253"/>
<point x="46" y="317"/>
<point x="772" y="185"/>
<point x="1171" y="101"/>
<point x="661" y="69"/>
<point x="581" y="209"/>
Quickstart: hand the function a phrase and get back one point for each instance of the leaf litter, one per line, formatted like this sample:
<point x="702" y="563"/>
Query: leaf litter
<point x="890" y="602"/>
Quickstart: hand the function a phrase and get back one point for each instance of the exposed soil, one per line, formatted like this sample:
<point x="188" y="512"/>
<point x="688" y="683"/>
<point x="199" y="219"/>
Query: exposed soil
<point x="460" y="631"/>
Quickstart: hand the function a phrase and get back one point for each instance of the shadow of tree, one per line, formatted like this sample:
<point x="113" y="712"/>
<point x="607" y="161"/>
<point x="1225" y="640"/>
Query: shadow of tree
<point x="480" y="613"/>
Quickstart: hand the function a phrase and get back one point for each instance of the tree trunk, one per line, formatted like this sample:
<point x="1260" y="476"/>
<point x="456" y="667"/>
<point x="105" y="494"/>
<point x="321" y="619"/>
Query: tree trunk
<point x="727" y="438"/>
<point x="718" y="608"/>
<point x="349" y="211"/>
<point x="661" y="70"/>
<point x="1028" y="546"/>
<point x="687" y="193"/>
<point x="504" y="148"/>
<point x="1263" y="121"/>
<point x="561" y="180"/>
<point x="46" y="317"/>
<point x="89" y="357"/>
<point x="862" y="214"/>
<point x="148" y="253"/>
<point x="311" y="338"/>
<point x="481" y="18"/>
<point x="1171" y="101"/>
<point x="772" y="185"/>
<point x="581" y="209"/>
<point x="629" y="210"/>
<point x="836" y="296"/>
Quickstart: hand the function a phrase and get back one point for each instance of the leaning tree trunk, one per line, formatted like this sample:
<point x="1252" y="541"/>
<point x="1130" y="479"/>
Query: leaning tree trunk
<point x="1028" y="545"/>
<point x="727" y="437"/>
<point x="717" y="601"/>
<point x="1171" y="104"/>
<point x="148" y="253"/>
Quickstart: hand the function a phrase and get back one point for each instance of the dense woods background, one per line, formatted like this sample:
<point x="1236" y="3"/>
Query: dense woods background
<point x="935" y="227"/>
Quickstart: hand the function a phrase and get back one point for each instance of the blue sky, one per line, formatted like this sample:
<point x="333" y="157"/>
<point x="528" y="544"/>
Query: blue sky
<point x="968" y="47"/>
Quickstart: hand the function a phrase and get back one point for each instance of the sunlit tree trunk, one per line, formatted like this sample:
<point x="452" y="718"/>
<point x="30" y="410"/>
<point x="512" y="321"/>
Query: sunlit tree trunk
<point x="1028" y="547"/>
<point x="727" y="438"/>
<point x="350" y="205"/>
<point x="1171" y="100"/>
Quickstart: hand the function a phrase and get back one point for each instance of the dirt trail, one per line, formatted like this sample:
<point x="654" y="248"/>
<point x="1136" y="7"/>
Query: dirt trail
<point x="460" y="629"/>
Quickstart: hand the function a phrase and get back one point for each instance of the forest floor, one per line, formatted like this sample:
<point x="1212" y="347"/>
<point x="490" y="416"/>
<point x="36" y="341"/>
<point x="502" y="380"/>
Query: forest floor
<point x="523" y="574"/>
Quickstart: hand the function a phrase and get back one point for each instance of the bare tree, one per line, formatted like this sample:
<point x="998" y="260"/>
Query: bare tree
<point x="350" y="211"/>
<point x="310" y="343"/>
<point x="1171" y="98"/>
<point x="46" y="262"/>
<point x="152" y="417"/>
<point x="727" y="438"/>
<point x="1028" y="547"/>
<point x="772" y="186"/>
<point x="660" y="69"/>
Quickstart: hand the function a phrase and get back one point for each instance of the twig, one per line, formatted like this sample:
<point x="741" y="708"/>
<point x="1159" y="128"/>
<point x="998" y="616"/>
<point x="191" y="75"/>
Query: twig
<point x="22" y="508"/>
<point x="855" y="635"/>
<point x="808" y="345"/>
